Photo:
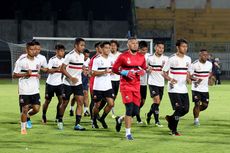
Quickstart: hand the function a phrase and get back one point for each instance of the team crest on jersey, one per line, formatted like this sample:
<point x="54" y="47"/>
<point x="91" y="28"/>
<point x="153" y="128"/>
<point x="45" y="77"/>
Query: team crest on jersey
<point x="126" y="97"/>
<point x="128" y="61"/>
<point x="37" y="66"/>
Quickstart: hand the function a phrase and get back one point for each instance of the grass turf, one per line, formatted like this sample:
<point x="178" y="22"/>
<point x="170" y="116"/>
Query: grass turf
<point x="211" y="136"/>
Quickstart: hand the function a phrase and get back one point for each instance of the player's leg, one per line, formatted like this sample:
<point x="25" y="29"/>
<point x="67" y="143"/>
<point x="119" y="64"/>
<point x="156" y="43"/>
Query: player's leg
<point x="86" y="103"/>
<point x="97" y="97"/>
<point x="128" y="120"/>
<point x="115" y="86"/>
<point x="71" y="110"/>
<point x="59" y="92"/>
<point x="34" y="108"/>
<point x="78" y="91"/>
<point x="143" y="91"/>
<point x="49" y="93"/>
<point x="23" y="104"/>
<point x="108" y="107"/>
<point x="196" y="108"/>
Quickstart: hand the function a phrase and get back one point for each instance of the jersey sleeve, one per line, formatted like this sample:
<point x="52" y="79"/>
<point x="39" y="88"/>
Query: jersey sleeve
<point x="50" y="64"/>
<point x="95" y="65"/>
<point x="166" y="66"/>
<point x="44" y="63"/>
<point x="66" y="60"/>
<point x="192" y="69"/>
<point x="17" y="68"/>
<point x="189" y="65"/>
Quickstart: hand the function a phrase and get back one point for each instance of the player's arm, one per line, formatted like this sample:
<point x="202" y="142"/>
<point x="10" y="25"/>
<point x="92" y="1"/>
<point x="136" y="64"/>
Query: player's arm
<point x="44" y="66"/>
<point x="22" y="75"/>
<point x="64" y="71"/>
<point x="116" y="66"/>
<point x="165" y="73"/>
<point x="51" y="69"/>
<point x="99" y="73"/>
<point x="212" y="78"/>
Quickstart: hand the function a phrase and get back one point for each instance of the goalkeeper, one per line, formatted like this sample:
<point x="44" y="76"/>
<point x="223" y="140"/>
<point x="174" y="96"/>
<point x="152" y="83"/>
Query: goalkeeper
<point x="130" y="65"/>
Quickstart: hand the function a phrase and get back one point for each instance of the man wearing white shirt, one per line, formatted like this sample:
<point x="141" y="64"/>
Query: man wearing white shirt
<point x="102" y="87"/>
<point x="176" y="71"/>
<point x="114" y="77"/>
<point x="54" y="80"/>
<point x="72" y="82"/>
<point x="201" y="71"/>
<point x="156" y="81"/>
<point x="27" y="70"/>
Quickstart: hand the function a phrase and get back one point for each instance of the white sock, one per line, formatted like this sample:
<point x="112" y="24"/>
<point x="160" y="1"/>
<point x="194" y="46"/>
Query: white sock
<point x="23" y="125"/>
<point x="127" y="131"/>
<point x="196" y="119"/>
<point x="85" y="109"/>
<point x="71" y="108"/>
<point x="120" y="119"/>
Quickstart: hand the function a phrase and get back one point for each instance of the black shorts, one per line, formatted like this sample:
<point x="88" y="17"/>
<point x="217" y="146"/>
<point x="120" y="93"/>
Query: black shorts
<point x="179" y="99"/>
<point x="115" y="86"/>
<point x="200" y="96"/>
<point x="50" y="90"/>
<point x="85" y="81"/>
<point x="143" y="91"/>
<point x="99" y="95"/>
<point x="156" y="91"/>
<point x="69" y="90"/>
<point x="29" y="100"/>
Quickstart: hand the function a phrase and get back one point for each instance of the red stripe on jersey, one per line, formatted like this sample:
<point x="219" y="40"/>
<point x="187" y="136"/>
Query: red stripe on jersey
<point x="34" y="75"/>
<point x="200" y="75"/>
<point x="179" y="73"/>
<point x="75" y="67"/>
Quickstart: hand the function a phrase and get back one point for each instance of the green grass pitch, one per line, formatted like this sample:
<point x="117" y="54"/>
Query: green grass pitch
<point x="212" y="136"/>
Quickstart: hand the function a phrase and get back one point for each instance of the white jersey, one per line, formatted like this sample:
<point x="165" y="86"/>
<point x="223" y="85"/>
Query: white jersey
<point x="20" y="57"/>
<point x="43" y="60"/>
<point x="113" y="57"/>
<point x="86" y="63"/>
<point x="74" y="62"/>
<point x="143" y="79"/>
<point x="202" y="71"/>
<point x="178" y="68"/>
<point x="28" y="85"/>
<point x="156" y="63"/>
<point x="55" y="78"/>
<point x="102" y="82"/>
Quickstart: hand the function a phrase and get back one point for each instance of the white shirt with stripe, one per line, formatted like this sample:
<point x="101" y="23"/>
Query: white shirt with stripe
<point x="156" y="63"/>
<point x="113" y="57"/>
<point x="74" y="62"/>
<point x="143" y="79"/>
<point x="43" y="60"/>
<point x="201" y="71"/>
<point x="55" y="78"/>
<point x="28" y="85"/>
<point x="178" y="68"/>
<point x="102" y="82"/>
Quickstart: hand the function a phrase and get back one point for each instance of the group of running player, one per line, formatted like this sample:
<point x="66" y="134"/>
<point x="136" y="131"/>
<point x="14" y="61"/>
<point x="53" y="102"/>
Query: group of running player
<point x="108" y="69"/>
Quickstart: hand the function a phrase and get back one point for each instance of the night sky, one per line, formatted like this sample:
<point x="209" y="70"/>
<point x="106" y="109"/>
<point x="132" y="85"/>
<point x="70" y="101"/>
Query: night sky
<point x="65" y="9"/>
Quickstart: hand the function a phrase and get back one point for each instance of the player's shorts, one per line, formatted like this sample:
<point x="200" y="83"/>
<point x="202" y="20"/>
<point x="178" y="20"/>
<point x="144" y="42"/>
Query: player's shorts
<point x="29" y="100"/>
<point x="50" y="90"/>
<point x="143" y="91"/>
<point x="200" y="96"/>
<point x="115" y="86"/>
<point x="85" y="81"/>
<point x="131" y="97"/>
<point x="99" y="95"/>
<point x="181" y="99"/>
<point x="156" y="91"/>
<point x="69" y="90"/>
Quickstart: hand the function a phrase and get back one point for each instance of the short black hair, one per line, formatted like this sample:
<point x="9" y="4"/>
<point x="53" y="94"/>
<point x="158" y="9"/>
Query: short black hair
<point x="35" y="42"/>
<point x="115" y="42"/>
<point x="203" y="50"/>
<point x="131" y="38"/>
<point x="159" y="42"/>
<point x="102" y="45"/>
<point x="181" y="41"/>
<point x="78" y="40"/>
<point x="97" y="44"/>
<point x="86" y="51"/>
<point x="30" y="43"/>
<point x="143" y="44"/>
<point x="59" y="46"/>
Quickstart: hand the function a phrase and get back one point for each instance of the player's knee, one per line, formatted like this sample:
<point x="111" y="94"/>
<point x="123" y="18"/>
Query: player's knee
<point x="205" y="106"/>
<point x="129" y="109"/>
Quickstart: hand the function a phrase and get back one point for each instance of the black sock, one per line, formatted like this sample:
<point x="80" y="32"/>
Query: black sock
<point x="78" y="119"/>
<point x="150" y="111"/>
<point x="156" y="112"/>
<point x="28" y="119"/>
<point x="138" y="117"/>
<point x="60" y="118"/>
<point x="104" y="115"/>
<point x="175" y="120"/>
